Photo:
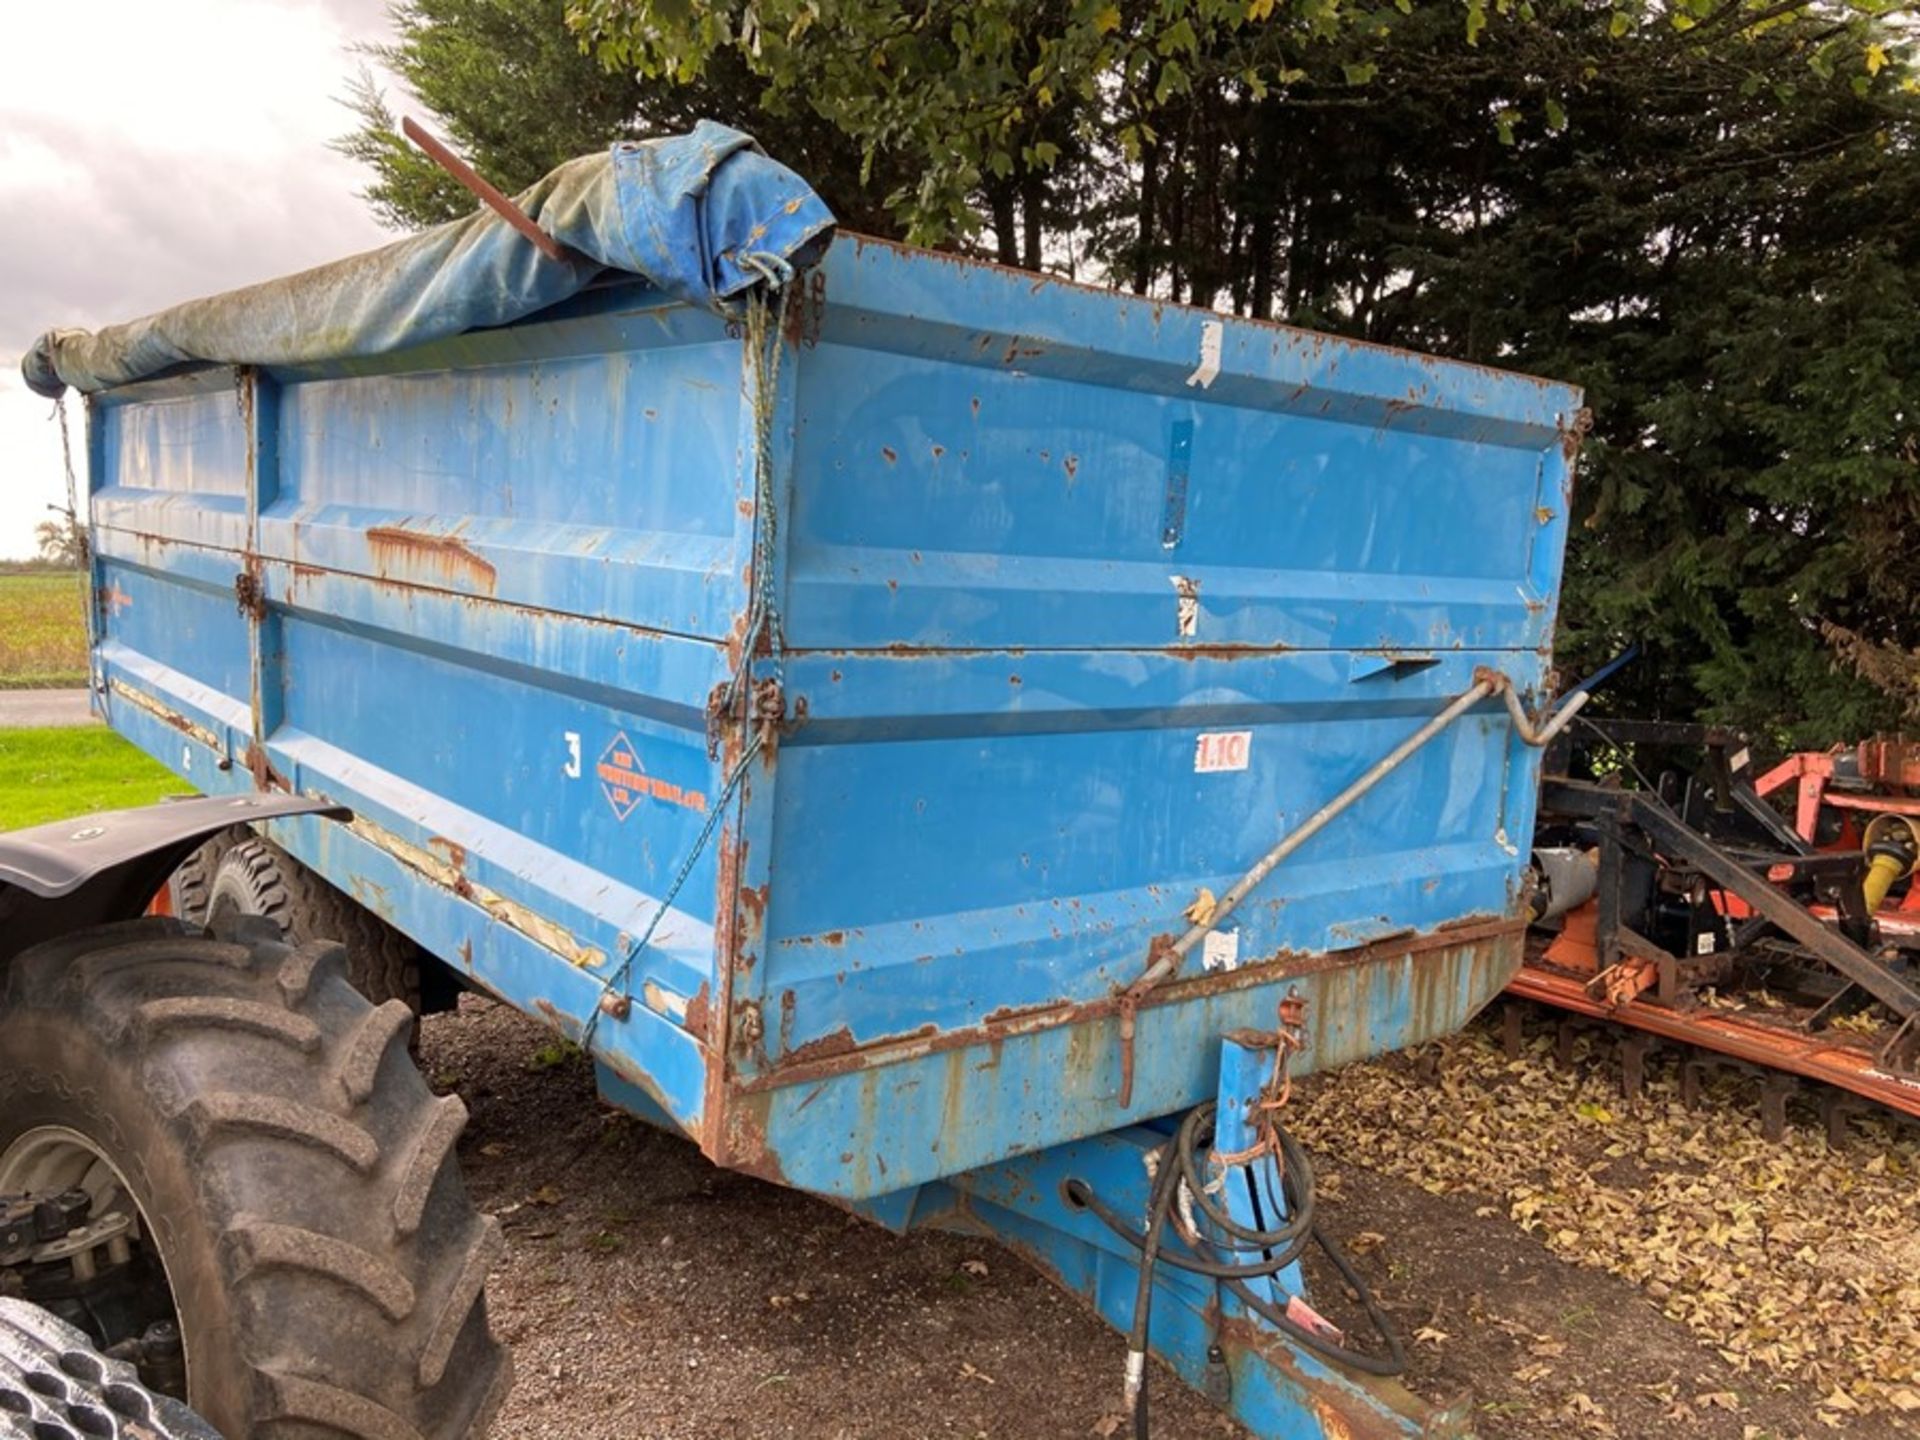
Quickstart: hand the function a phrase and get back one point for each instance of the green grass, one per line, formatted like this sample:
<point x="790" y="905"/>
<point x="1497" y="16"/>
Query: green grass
<point x="52" y="774"/>
<point x="43" y="631"/>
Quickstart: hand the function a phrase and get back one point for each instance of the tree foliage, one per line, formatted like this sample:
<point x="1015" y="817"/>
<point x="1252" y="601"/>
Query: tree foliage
<point x="969" y="91"/>
<point x="1701" y="210"/>
<point x="60" y="542"/>
<point x="516" y="94"/>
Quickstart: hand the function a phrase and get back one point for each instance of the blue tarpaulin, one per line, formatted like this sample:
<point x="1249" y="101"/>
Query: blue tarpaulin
<point x="689" y="214"/>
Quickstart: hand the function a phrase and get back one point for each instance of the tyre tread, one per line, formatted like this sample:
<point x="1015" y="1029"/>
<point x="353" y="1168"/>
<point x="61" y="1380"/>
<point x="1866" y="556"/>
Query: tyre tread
<point x="304" y="1401"/>
<point x="431" y="1152"/>
<point x="316" y="1163"/>
<point x="246" y="1017"/>
<point x="366" y="1049"/>
<point x="281" y="1119"/>
<point x="258" y="1245"/>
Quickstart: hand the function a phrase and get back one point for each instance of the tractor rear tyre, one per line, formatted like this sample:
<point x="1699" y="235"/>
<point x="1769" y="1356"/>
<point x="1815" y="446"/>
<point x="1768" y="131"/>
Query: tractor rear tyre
<point x="239" y="873"/>
<point x="288" y="1168"/>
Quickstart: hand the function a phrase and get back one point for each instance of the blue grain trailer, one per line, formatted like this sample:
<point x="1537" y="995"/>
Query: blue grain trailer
<point x="924" y="728"/>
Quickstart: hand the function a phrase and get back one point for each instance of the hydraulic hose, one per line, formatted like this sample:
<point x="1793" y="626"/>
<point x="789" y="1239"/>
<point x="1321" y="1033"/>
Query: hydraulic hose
<point x="1242" y="1252"/>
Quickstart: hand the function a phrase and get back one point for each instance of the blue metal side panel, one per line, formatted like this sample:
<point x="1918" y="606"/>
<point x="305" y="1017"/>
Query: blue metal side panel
<point x="940" y="897"/>
<point x="1031" y="546"/>
<point x="578" y="484"/>
<point x="493" y="583"/>
<point x="1032" y="562"/>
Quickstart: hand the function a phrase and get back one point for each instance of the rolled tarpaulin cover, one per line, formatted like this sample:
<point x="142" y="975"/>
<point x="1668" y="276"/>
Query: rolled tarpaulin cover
<point x="699" y="217"/>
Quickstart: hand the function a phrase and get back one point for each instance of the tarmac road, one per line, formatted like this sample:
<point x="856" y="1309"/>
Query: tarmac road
<point x="36" y="709"/>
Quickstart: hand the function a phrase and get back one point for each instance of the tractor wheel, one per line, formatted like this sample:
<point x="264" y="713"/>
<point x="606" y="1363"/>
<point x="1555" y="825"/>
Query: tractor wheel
<point x="297" y="1213"/>
<point x="241" y="874"/>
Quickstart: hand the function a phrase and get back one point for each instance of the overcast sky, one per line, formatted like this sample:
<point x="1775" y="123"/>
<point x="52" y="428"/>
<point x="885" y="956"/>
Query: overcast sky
<point x="152" y="151"/>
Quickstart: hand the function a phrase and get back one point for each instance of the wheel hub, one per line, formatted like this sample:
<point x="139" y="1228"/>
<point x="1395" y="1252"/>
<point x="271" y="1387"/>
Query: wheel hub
<point x="74" y="1241"/>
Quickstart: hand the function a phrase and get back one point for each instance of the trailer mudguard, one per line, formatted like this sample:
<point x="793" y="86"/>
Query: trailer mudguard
<point x="98" y="868"/>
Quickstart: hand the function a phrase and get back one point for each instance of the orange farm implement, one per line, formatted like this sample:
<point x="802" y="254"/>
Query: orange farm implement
<point x="1768" y="919"/>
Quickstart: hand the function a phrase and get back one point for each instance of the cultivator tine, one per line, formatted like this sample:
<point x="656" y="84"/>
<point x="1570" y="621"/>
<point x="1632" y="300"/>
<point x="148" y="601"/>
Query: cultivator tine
<point x="1837" y="1107"/>
<point x="1635" y="1046"/>
<point x="1695" y="1068"/>
<point x="1565" y="1035"/>
<point x="1775" y="1087"/>
<point x="1513" y="1023"/>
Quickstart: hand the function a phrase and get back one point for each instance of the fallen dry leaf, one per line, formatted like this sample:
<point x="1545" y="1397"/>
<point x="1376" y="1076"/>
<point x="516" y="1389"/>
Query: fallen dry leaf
<point x="1797" y="1264"/>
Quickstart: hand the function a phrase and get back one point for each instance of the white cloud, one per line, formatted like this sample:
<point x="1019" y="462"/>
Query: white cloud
<point x="152" y="152"/>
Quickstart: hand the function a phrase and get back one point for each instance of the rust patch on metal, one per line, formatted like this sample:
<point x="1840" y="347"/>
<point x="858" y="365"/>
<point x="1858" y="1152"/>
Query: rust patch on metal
<point x="1573" y="432"/>
<point x="250" y="591"/>
<point x="749" y="1030"/>
<point x="1010" y="1023"/>
<point x="1340" y="1418"/>
<point x="265" y="777"/>
<point x="534" y="926"/>
<point x="787" y="1004"/>
<point x="712" y="1013"/>
<point x="826" y="937"/>
<point x="143" y="701"/>
<point x="564" y="1024"/>
<point x="744" y="1145"/>
<point x="455" y="852"/>
<point x="1224" y="652"/>
<point x="835" y="1042"/>
<point x="395" y="548"/>
<point x="697" y="1019"/>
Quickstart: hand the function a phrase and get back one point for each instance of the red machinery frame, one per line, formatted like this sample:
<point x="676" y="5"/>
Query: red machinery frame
<point x="1877" y="777"/>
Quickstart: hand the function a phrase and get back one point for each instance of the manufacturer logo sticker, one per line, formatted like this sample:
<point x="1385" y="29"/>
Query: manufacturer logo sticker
<point x="621" y="775"/>
<point x="625" y="782"/>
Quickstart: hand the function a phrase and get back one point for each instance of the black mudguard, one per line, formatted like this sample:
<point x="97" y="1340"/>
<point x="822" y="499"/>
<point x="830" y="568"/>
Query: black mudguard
<point x="95" y="869"/>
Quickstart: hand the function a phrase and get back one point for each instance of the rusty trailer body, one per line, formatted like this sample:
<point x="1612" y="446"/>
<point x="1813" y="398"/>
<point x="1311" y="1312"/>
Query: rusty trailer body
<point x="828" y="717"/>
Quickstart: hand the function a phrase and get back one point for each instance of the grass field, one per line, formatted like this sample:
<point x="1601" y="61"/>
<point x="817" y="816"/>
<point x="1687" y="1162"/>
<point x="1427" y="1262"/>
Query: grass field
<point x="51" y="774"/>
<point x="43" y="631"/>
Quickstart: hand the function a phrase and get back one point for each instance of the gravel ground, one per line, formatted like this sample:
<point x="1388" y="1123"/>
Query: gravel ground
<point x="649" y="1295"/>
<point x="1574" y="1269"/>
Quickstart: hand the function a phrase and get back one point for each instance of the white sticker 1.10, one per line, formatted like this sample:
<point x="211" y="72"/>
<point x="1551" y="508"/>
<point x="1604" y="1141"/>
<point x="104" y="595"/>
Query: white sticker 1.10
<point x="1222" y="750"/>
